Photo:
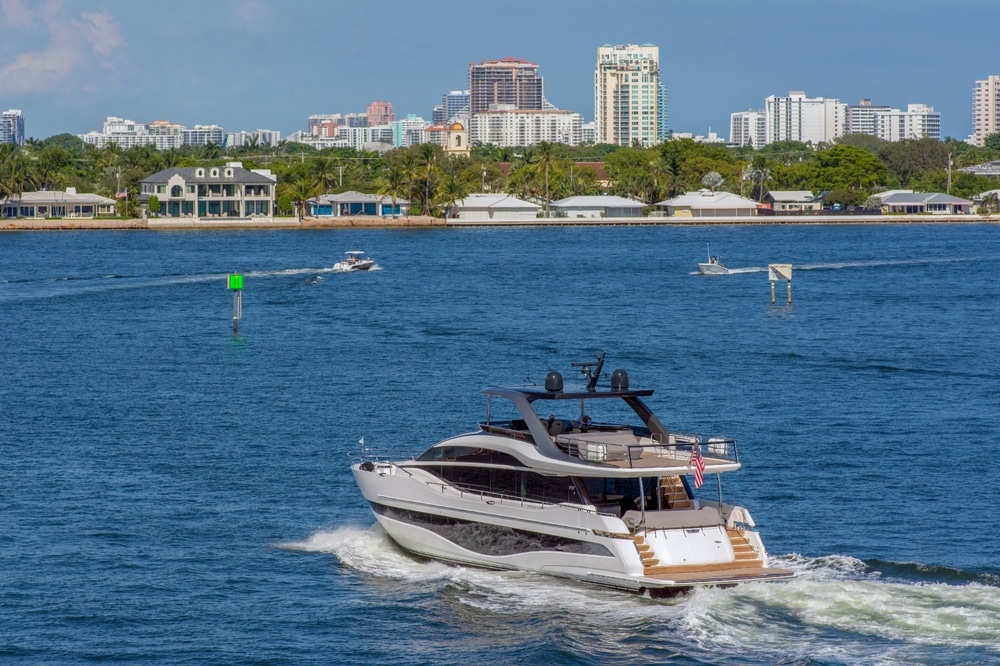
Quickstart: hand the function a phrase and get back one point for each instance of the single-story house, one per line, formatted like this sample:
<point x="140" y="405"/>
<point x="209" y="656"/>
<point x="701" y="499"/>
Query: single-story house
<point x="793" y="200"/>
<point x="353" y="204"/>
<point x="705" y="203"/>
<point x="907" y="201"/>
<point x="991" y="168"/>
<point x="499" y="207"/>
<point x="597" y="206"/>
<point x="56" y="204"/>
<point x="981" y="201"/>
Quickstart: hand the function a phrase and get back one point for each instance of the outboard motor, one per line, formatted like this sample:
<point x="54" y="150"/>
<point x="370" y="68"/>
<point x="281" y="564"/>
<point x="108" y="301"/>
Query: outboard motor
<point x="619" y="380"/>
<point x="553" y="382"/>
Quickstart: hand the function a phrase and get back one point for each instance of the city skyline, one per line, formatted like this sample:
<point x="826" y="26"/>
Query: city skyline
<point x="249" y="64"/>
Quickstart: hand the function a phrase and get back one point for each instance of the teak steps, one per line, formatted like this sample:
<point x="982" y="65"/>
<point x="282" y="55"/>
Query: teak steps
<point x="745" y="557"/>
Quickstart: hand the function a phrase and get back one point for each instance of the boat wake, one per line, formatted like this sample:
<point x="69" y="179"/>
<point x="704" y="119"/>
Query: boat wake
<point x="40" y="288"/>
<point x="837" y="265"/>
<point x="877" y="612"/>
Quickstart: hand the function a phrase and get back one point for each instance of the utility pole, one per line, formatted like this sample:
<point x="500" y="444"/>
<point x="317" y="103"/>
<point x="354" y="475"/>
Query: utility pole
<point x="546" y="187"/>
<point x="948" y="191"/>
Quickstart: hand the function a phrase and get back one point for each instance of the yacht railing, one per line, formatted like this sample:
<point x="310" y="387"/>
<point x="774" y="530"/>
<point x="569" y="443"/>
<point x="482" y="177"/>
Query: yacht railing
<point x="675" y="447"/>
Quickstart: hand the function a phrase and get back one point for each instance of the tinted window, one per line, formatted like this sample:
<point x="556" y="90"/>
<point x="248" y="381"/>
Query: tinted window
<point x="470" y="454"/>
<point x="510" y="483"/>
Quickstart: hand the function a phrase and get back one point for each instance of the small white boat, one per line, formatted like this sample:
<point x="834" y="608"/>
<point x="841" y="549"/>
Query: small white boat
<point x="713" y="266"/>
<point x="594" y="500"/>
<point x="356" y="261"/>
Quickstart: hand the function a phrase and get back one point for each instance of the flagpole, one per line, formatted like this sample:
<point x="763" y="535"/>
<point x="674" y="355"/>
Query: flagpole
<point x="718" y="482"/>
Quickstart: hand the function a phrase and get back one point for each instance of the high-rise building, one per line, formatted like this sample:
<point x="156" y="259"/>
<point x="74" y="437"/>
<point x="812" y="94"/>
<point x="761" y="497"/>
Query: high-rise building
<point x="261" y="137"/>
<point x="324" y="125"/>
<point x="985" y="110"/>
<point x="357" y="120"/>
<point x="748" y="128"/>
<point x="452" y="103"/>
<point x="12" y="127"/>
<point x="409" y="131"/>
<point x="379" y="112"/>
<point x="162" y="134"/>
<point x="505" y="81"/>
<point x="509" y="127"/>
<point x="816" y="120"/>
<point x="627" y="94"/>
<point x="662" y="130"/>
<point x="861" y="118"/>
<point x="919" y="121"/>
<point x="807" y="119"/>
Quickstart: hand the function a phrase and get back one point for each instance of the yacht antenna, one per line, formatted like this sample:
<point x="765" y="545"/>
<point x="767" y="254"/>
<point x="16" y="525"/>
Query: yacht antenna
<point x="591" y="375"/>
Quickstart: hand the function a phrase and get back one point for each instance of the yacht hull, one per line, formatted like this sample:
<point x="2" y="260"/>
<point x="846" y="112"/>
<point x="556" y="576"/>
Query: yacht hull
<point x="431" y="519"/>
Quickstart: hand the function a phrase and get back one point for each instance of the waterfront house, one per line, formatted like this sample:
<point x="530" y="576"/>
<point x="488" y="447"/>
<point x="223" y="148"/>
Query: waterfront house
<point x="597" y="206"/>
<point x="56" y="204"/>
<point x="499" y="207"/>
<point x="354" y="204"/>
<point x="705" y="203"/>
<point x="782" y="201"/>
<point x="935" y="203"/>
<point x="208" y="192"/>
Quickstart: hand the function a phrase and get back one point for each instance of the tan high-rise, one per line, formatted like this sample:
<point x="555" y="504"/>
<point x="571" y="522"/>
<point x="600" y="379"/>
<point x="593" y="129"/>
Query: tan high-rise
<point x="627" y="94"/>
<point x="985" y="110"/>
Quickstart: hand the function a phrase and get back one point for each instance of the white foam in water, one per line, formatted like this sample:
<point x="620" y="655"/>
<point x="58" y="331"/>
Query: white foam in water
<point x="832" y="595"/>
<point x="369" y="550"/>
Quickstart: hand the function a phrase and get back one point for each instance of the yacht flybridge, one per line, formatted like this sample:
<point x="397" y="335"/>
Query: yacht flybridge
<point x="555" y="481"/>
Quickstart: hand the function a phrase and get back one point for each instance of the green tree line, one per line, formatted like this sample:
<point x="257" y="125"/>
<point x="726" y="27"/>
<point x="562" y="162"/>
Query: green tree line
<point x="848" y="171"/>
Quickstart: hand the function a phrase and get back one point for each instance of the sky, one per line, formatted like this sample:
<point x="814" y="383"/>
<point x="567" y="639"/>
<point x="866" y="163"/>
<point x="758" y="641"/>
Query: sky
<point x="270" y="64"/>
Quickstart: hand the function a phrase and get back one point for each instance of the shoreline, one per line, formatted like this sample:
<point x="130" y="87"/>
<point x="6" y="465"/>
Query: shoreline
<point x="421" y="222"/>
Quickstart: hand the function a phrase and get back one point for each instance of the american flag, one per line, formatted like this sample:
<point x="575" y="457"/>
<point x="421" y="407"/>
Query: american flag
<point x="699" y="465"/>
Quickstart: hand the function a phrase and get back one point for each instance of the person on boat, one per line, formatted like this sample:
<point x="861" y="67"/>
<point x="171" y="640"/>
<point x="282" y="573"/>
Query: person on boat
<point x="584" y="423"/>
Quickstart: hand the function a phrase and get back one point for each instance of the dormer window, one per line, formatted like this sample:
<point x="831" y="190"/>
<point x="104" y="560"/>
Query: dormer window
<point x="229" y="173"/>
<point x="199" y="173"/>
<point x="215" y="173"/>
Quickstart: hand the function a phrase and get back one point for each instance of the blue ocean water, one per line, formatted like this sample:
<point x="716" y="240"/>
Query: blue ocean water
<point x="173" y="493"/>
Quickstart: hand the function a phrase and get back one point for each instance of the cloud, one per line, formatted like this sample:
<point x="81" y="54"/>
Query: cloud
<point x="76" y="44"/>
<point x="101" y="30"/>
<point x="16" y="15"/>
<point x="252" y="11"/>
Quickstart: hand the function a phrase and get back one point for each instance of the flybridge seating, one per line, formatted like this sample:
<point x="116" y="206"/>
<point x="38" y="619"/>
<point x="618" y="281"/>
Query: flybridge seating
<point x="625" y="448"/>
<point x="622" y="445"/>
<point x="579" y="437"/>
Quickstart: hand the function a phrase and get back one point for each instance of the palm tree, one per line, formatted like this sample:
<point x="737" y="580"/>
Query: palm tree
<point x="543" y="157"/>
<point x="426" y="157"/>
<point x="301" y="191"/>
<point x="326" y="171"/>
<point x="393" y="182"/>
<point x="451" y="189"/>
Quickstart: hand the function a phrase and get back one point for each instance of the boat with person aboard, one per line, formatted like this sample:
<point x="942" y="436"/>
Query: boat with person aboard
<point x="555" y="481"/>
<point x="713" y="266"/>
<point x="356" y="261"/>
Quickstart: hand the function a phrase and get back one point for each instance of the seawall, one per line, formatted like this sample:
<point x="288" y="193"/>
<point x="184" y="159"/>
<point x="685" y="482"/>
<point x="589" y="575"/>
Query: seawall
<point x="416" y="221"/>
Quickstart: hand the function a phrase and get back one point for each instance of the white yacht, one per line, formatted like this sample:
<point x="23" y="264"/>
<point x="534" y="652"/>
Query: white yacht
<point x="554" y="481"/>
<point x="356" y="261"/>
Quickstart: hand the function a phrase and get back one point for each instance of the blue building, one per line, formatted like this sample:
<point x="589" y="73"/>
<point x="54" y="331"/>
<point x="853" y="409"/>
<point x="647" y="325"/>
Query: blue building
<point x="12" y="127"/>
